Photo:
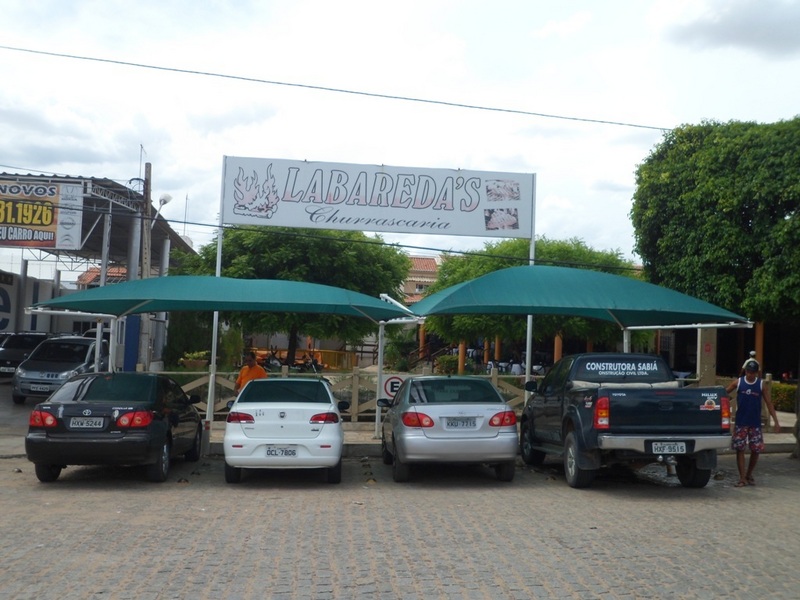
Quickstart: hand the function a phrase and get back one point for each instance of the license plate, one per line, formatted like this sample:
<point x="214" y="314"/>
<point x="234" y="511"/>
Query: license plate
<point x="7" y="369"/>
<point x="40" y="388"/>
<point x="461" y="423"/>
<point x="86" y="423"/>
<point x="669" y="447"/>
<point x="280" y="451"/>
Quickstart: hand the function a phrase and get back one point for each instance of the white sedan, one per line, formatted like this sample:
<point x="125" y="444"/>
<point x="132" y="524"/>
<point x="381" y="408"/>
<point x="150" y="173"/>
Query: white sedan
<point x="284" y="423"/>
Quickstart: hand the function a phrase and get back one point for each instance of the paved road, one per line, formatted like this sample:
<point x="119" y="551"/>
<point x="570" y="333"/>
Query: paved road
<point x="449" y="533"/>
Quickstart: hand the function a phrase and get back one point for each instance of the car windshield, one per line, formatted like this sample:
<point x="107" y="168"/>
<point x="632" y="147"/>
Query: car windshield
<point x="16" y="342"/>
<point x="127" y="388"/>
<point x="285" y="390"/>
<point x="71" y="352"/>
<point x="443" y="391"/>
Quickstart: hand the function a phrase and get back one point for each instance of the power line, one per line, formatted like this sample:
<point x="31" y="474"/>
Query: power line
<point x="336" y="90"/>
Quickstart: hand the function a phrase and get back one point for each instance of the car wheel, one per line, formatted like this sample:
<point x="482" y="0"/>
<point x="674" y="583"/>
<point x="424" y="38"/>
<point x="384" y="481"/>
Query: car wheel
<point x="529" y="455"/>
<point x="400" y="471"/>
<point x="159" y="470"/>
<point x="386" y="456"/>
<point x="193" y="455"/>
<point x="576" y="477"/>
<point x="47" y="473"/>
<point x="505" y="471"/>
<point x="334" y="474"/>
<point x="17" y="399"/>
<point x="232" y="474"/>
<point x="689" y="475"/>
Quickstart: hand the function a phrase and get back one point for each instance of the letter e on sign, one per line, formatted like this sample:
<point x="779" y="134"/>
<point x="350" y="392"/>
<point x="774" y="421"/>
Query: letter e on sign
<point x="392" y="384"/>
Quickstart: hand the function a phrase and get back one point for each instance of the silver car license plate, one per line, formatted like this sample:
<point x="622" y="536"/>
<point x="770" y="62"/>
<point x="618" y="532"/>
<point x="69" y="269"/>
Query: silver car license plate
<point x="281" y="451"/>
<point x="40" y="388"/>
<point x="669" y="447"/>
<point x="86" y="422"/>
<point x="461" y="422"/>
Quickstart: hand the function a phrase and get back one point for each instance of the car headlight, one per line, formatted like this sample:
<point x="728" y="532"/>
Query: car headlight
<point x="67" y="375"/>
<point x="20" y="372"/>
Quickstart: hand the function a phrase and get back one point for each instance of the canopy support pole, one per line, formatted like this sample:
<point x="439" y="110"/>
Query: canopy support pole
<point x="212" y="367"/>
<point x="379" y="389"/>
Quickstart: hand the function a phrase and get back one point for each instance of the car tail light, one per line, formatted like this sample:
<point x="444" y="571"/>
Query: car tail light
<point x="139" y="418"/>
<point x="41" y="418"/>
<point x="239" y="417"/>
<point x="503" y="419"/>
<point x="602" y="413"/>
<point x="328" y="417"/>
<point x="725" y="403"/>
<point x="416" y="419"/>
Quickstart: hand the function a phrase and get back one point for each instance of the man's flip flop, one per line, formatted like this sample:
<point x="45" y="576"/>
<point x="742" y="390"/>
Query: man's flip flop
<point x="751" y="481"/>
<point x="740" y="483"/>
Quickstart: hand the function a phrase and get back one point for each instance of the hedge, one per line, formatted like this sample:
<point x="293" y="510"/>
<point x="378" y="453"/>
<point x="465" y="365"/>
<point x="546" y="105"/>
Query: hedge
<point x="783" y="395"/>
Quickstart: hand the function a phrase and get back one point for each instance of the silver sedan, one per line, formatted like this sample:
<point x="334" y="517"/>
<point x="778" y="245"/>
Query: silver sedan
<point x="448" y="419"/>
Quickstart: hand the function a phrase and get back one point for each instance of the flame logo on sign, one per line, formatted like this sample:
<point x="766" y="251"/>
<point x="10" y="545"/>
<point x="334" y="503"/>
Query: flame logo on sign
<point x="254" y="199"/>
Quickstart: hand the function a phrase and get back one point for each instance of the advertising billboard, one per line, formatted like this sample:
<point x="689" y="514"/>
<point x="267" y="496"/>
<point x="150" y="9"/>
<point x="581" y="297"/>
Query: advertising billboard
<point x="41" y="215"/>
<point x="319" y="195"/>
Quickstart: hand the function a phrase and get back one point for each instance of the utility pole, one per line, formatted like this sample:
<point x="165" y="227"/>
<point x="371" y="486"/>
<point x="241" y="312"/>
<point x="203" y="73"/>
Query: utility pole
<point x="144" y="331"/>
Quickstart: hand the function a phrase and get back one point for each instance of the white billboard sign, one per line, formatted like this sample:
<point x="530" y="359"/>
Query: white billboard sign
<point x="319" y="195"/>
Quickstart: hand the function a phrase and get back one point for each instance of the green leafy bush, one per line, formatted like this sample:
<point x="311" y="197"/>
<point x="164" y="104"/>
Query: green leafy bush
<point x="447" y="364"/>
<point x="783" y="395"/>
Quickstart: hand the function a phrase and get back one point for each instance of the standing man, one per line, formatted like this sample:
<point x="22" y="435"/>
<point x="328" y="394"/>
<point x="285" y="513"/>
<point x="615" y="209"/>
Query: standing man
<point x="750" y="391"/>
<point x="250" y="370"/>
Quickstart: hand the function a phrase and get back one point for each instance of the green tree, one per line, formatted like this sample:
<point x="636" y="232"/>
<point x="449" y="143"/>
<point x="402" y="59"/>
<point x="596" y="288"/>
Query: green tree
<point x="349" y="260"/>
<point x="509" y="253"/>
<point x="715" y="215"/>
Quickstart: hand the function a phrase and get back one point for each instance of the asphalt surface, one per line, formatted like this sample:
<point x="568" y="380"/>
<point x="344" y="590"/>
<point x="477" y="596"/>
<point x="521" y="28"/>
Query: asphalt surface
<point x="450" y="532"/>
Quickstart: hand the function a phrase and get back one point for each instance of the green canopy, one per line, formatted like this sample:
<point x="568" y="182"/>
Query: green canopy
<point x="208" y="293"/>
<point x="544" y="290"/>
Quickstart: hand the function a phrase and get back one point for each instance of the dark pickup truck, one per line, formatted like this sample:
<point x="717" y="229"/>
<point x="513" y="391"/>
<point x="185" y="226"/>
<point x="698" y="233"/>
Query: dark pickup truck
<point x="600" y="410"/>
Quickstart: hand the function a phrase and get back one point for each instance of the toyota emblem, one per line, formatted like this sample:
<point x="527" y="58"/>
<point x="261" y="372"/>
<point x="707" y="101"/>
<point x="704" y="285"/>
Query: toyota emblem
<point x="87" y="412"/>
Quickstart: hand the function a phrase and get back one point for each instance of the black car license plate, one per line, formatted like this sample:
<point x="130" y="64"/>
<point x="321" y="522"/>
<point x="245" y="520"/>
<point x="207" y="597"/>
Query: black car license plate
<point x="86" y="423"/>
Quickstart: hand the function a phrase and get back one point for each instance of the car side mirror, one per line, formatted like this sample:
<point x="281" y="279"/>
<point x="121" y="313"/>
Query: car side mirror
<point x="384" y="403"/>
<point x="343" y="405"/>
<point x="531" y="386"/>
<point x="194" y="399"/>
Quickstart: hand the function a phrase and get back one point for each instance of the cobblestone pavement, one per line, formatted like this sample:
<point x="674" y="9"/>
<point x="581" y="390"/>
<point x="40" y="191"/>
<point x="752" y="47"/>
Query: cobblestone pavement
<point x="449" y="533"/>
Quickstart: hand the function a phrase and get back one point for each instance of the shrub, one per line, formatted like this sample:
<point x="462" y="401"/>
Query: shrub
<point x="447" y="364"/>
<point x="783" y="395"/>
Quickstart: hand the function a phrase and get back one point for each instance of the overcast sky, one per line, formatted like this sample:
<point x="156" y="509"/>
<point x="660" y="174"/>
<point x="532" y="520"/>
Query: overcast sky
<point x="562" y="74"/>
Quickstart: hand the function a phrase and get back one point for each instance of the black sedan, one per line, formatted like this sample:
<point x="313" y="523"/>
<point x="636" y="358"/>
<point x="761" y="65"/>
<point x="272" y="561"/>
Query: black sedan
<point x="114" y="419"/>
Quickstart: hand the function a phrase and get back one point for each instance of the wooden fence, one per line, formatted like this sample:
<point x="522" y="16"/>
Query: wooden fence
<point x="360" y="384"/>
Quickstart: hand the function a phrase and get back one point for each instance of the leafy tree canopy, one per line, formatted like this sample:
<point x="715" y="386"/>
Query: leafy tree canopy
<point x="715" y="215"/>
<point x="346" y="259"/>
<point x="510" y="253"/>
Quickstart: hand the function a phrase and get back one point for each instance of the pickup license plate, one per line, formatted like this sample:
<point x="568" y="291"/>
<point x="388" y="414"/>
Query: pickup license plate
<point x="86" y="423"/>
<point x="281" y="451"/>
<point x="461" y="423"/>
<point x="669" y="447"/>
<point x="40" y="388"/>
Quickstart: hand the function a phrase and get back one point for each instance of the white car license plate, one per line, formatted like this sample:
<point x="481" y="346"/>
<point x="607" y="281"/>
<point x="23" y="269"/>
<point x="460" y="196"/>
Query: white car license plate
<point x="669" y="447"/>
<point x="86" y="422"/>
<point x="461" y="422"/>
<point x="281" y="451"/>
<point x="7" y="369"/>
<point x="40" y="388"/>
